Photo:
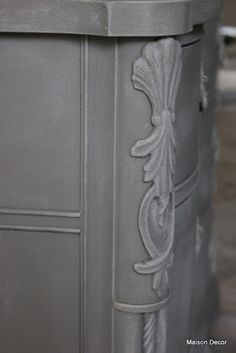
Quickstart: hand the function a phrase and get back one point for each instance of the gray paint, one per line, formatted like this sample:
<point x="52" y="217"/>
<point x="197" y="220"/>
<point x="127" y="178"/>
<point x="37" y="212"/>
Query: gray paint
<point x="106" y="18"/>
<point x="40" y="104"/>
<point x="39" y="292"/>
<point x="70" y="189"/>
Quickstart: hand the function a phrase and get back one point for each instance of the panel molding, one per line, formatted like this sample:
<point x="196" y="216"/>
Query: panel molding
<point x="140" y="308"/>
<point x="39" y="229"/>
<point x="27" y="212"/>
<point x="84" y="69"/>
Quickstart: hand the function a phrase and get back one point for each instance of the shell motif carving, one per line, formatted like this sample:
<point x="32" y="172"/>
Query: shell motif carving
<point x="157" y="74"/>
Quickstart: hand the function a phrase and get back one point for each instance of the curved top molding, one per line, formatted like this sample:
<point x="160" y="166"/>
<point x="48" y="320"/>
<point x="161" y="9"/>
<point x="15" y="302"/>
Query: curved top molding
<point x="106" y="17"/>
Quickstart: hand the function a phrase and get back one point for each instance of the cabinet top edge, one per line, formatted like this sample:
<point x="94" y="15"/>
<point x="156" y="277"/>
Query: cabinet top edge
<point x="106" y="17"/>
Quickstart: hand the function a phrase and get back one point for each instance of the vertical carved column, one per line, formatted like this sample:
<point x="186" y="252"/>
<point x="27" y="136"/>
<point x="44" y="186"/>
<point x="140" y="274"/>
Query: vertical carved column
<point x="157" y="74"/>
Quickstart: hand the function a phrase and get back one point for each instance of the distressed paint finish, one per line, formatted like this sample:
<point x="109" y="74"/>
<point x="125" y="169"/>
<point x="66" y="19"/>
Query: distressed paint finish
<point x="74" y="273"/>
<point x="157" y="74"/>
<point x="106" y="18"/>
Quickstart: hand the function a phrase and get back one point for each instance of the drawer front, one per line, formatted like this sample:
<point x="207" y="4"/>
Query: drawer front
<point x="180" y="306"/>
<point x="211" y="46"/>
<point x="208" y="152"/>
<point x="187" y="123"/>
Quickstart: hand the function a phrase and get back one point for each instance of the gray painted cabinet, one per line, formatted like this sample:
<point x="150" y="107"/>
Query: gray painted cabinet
<point x="107" y="143"/>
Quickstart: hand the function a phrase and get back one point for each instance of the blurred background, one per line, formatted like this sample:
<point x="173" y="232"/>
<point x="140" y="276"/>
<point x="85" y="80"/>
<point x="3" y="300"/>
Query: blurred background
<point x="225" y="177"/>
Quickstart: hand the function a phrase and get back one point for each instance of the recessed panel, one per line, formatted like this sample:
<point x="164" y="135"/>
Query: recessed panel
<point x="39" y="292"/>
<point x="39" y="122"/>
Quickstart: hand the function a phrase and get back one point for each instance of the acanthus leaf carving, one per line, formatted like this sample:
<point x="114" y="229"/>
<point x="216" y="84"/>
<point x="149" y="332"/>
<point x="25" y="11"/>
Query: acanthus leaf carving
<point x="157" y="74"/>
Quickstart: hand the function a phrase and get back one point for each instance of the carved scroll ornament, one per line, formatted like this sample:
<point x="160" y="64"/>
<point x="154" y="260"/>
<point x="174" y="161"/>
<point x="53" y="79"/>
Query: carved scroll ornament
<point x="157" y="74"/>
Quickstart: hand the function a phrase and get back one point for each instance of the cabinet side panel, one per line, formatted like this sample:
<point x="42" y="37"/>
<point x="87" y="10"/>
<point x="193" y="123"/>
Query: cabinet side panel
<point x="40" y="122"/>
